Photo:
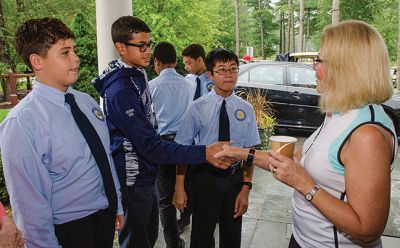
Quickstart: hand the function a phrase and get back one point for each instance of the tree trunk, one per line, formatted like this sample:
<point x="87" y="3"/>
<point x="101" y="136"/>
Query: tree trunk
<point x="291" y="30"/>
<point x="261" y="29"/>
<point x="287" y="34"/>
<point x="237" y="28"/>
<point x="301" y="27"/>
<point x="398" y="48"/>
<point x="281" y="34"/>
<point x="335" y="12"/>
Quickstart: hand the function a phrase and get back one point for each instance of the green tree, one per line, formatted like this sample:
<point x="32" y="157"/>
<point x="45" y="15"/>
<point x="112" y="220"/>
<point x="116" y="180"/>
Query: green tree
<point x="87" y="51"/>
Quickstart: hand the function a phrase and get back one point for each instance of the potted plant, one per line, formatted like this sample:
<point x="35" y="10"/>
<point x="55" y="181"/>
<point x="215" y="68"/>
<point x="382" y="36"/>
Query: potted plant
<point x="264" y="114"/>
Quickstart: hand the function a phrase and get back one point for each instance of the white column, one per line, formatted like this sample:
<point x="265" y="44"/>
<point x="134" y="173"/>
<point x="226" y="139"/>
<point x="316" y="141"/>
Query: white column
<point x="107" y="12"/>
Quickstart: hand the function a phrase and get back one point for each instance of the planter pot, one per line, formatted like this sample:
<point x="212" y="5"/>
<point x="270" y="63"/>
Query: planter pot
<point x="264" y="137"/>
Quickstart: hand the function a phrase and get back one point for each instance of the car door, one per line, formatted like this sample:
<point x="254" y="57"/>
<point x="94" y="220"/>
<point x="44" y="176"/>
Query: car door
<point x="269" y="78"/>
<point x="303" y="96"/>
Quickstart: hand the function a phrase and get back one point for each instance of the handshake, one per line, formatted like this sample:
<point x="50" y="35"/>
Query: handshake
<point x="217" y="155"/>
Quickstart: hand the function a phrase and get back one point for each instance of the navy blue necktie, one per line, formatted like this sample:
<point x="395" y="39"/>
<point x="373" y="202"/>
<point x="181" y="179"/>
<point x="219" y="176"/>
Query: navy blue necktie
<point x="97" y="149"/>
<point x="224" y="133"/>
<point x="197" y="93"/>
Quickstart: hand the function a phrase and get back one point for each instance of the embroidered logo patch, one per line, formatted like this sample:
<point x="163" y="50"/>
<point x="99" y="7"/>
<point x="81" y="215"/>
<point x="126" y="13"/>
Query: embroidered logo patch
<point x="97" y="112"/>
<point x="210" y="85"/>
<point x="240" y="115"/>
<point x="130" y="112"/>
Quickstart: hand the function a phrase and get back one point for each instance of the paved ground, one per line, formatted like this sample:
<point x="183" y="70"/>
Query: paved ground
<point x="268" y="220"/>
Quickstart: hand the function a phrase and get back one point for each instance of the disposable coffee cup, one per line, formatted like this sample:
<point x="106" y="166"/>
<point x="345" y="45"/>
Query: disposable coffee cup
<point x="283" y="145"/>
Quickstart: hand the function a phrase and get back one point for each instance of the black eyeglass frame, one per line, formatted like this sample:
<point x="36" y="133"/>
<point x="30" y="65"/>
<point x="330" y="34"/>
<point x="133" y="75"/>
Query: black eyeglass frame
<point x="142" y="46"/>
<point x="223" y="71"/>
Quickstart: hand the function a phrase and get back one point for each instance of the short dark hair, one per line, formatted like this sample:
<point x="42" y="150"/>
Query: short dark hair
<point x="123" y="27"/>
<point x="220" y="55"/>
<point x="165" y="53"/>
<point x="194" y="51"/>
<point x="37" y="36"/>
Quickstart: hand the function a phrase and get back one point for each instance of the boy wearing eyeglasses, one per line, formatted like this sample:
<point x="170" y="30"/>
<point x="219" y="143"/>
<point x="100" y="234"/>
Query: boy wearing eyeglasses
<point x="135" y="145"/>
<point x="219" y="196"/>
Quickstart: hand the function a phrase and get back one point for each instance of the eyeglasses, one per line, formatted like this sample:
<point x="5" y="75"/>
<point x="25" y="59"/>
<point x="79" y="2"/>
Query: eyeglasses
<point x="317" y="60"/>
<point x="223" y="71"/>
<point x="142" y="46"/>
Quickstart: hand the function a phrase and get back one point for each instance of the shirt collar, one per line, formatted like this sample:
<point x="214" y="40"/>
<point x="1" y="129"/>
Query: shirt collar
<point x="51" y="94"/>
<point x="204" y="77"/>
<point x="167" y="71"/>
<point x="219" y="98"/>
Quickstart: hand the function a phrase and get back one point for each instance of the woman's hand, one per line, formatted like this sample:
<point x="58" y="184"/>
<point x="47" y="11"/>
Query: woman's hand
<point x="290" y="172"/>
<point x="229" y="152"/>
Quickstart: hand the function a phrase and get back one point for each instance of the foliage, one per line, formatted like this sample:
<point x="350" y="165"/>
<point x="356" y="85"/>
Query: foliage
<point x="3" y="189"/>
<point x="87" y="52"/>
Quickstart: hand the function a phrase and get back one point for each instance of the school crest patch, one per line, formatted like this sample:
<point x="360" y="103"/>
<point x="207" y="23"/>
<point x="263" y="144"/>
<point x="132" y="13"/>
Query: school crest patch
<point x="97" y="112"/>
<point x="210" y="86"/>
<point x="240" y="115"/>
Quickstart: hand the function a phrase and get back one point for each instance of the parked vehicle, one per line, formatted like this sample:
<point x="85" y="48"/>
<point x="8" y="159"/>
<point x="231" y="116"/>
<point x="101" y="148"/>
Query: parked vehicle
<point x="290" y="88"/>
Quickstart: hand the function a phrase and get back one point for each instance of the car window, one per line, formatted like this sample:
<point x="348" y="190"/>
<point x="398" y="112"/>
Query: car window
<point x="302" y="77"/>
<point x="267" y="75"/>
<point x="244" y="77"/>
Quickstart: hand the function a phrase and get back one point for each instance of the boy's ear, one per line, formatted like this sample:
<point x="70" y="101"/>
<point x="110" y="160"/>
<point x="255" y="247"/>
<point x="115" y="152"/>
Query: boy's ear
<point x="36" y="62"/>
<point x="120" y="47"/>
<point x="210" y="75"/>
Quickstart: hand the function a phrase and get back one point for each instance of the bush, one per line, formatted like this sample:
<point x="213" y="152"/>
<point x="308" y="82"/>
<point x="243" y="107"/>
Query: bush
<point x="3" y="190"/>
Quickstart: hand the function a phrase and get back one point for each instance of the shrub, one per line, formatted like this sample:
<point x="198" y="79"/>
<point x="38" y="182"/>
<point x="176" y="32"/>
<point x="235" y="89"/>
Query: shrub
<point x="3" y="189"/>
<point x="264" y="113"/>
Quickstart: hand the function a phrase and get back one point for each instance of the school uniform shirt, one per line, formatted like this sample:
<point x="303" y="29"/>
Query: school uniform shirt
<point x="136" y="147"/>
<point x="201" y="122"/>
<point x="206" y="84"/>
<point x="171" y="94"/>
<point x="51" y="174"/>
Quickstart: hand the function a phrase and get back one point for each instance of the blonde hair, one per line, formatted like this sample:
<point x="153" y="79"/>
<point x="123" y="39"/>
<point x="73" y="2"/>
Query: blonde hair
<point x="357" y="63"/>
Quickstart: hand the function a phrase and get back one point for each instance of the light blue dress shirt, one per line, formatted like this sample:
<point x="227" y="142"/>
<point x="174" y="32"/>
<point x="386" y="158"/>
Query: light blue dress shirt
<point x="51" y="175"/>
<point x="171" y="94"/>
<point x="201" y="122"/>
<point x="206" y="84"/>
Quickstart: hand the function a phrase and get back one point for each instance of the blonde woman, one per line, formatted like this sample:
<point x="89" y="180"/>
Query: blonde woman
<point x="341" y="175"/>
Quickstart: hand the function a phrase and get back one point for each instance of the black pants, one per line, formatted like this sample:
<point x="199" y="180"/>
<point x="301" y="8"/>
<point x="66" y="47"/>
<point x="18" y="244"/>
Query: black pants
<point x="140" y="229"/>
<point x="166" y="188"/>
<point x="214" y="201"/>
<point x="93" y="231"/>
<point x="293" y="243"/>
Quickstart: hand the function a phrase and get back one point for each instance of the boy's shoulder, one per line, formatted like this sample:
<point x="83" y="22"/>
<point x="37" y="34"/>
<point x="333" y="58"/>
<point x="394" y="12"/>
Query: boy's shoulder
<point x="243" y="102"/>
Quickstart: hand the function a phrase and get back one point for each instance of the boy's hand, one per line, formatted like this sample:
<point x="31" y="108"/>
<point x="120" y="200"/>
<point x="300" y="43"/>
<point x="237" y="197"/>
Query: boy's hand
<point x="179" y="199"/>
<point x="119" y="222"/>
<point x="222" y="162"/>
<point x="241" y="202"/>
<point x="10" y="236"/>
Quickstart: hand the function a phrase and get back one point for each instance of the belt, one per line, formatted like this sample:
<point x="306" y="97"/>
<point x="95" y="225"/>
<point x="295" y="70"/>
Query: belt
<point x="168" y="137"/>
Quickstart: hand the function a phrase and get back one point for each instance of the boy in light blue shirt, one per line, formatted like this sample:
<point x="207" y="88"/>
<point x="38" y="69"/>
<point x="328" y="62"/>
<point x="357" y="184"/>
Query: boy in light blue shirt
<point x="218" y="195"/>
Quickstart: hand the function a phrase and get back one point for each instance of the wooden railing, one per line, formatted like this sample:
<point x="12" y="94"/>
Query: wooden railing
<point x="12" y="81"/>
